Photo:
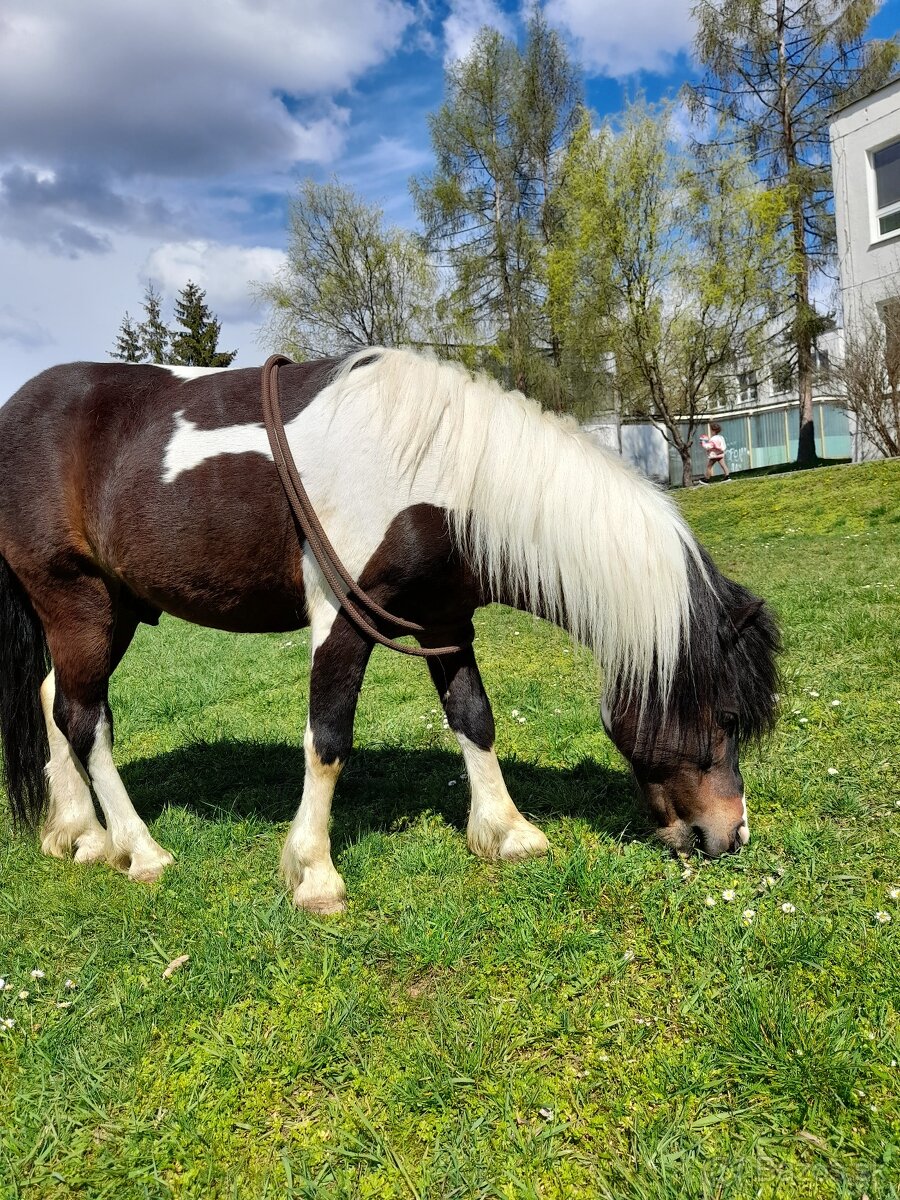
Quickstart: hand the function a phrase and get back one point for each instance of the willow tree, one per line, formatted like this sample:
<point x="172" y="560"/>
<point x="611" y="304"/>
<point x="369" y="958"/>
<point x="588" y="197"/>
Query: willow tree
<point x="487" y="207"/>
<point x="662" y="268"/>
<point x="775" y="72"/>
<point x="348" y="281"/>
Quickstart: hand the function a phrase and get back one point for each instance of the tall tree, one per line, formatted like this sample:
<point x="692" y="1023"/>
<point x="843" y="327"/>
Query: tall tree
<point x="775" y="71"/>
<point x="488" y="204"/>
<point x="196" y="343"/>
<point x="129" y="346"/>
<point x="660" y="270"/>
<point x="155" y="335"/>
<point x="348" y="280"/>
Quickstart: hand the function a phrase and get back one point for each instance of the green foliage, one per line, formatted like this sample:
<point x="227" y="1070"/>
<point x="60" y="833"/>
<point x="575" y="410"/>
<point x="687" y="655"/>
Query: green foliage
<point x="663" y="264"/>
<point x="578" y="1027"/>
<point x="488" y="204"/>
<point x="196" y="343"/>
<point x="348" y="281"/>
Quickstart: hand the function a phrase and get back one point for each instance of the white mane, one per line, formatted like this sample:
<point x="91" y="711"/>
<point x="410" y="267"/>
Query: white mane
<point x="540" y="508"/>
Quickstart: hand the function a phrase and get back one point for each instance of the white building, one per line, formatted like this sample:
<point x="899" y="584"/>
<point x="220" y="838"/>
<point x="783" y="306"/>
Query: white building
<point x="865" y="165"/>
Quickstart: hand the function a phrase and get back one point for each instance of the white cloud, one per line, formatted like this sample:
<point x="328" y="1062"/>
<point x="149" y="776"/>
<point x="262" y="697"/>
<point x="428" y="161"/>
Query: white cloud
<point x="465" y="19"/>
<point x="224" y="272"/>
<point x="618" y="39"/>
<point x="179" y="88"/>
<point x="22" y="330"/>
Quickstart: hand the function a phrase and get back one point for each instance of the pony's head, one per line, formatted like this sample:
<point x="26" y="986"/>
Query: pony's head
<point x="684" y="746"/>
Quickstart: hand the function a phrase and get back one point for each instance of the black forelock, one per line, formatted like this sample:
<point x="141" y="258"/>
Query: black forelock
<point x="727" y="669"/>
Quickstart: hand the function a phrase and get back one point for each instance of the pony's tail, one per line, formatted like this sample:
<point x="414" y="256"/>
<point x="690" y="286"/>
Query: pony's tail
<point x="24" y="663"/>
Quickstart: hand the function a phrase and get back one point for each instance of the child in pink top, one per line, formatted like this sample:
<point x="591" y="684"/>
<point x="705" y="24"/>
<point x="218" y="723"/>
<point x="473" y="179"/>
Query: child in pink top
<point x="715" y="451"/>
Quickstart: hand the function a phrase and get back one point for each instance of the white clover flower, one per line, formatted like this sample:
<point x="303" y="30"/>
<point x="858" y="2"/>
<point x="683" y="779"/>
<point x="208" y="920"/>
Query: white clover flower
<point x="804" y="721"/>
<point x="729" y="894"/>
<point x="687" y="873"/>
<point x="514" y="712"/>
<point x="897" y="804"/>
<point x="2" y="984"/>
<point x="796" y="711"/>
<point x="788" y="908"/>
<point x="23" y="995"/>
<point x="628" y="955"/>
<point x="7" y="987"/>
<point x="748" y="915"/>
<point x="70" y="985"/>
<point x="37" y="973"/>
<point x="835" y="704"/>
<point x="522" y="721"/>
<point x="894" y="893"/>
<point x="9" y="1023"/>
<point x="815" y="695"/>
<point x="64" y="1004"/>
<point x="832" y="770"/>
<point x="769" y="881"/>
<point x="428" y="725"/>
<point x="710" y="902"/>
<point x="883" y="918"/>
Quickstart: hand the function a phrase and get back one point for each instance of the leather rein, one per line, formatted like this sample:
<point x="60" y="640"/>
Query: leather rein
<point x="355" y="601"/>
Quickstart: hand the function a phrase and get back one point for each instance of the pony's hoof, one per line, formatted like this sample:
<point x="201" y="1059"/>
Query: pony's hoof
<point x="509" y="843"/>
<point x="523" y="841"/>
<point x="323" y="897"/>
<point x="319" y="906"/>
<point x="148" y="866"/>
<point x="90" y="848"/>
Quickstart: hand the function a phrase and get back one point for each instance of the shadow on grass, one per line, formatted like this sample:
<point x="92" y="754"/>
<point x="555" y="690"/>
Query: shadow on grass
<point x="380" y="789"/>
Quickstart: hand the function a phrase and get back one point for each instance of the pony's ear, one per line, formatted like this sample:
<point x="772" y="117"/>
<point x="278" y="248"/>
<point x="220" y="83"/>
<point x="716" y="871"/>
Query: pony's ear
<point x="742" y="616"/>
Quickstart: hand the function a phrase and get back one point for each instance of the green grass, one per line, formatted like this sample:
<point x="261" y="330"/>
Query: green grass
<point x="581" y="1026"/>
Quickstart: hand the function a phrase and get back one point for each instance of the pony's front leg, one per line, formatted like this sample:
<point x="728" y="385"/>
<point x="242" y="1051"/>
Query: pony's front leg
<point x="496" y="828"/>
<point x="338" y="666"/>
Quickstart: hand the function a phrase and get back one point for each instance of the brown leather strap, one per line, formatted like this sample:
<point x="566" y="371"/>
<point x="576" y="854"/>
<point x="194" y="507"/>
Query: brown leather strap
<point x="339" y="578"/>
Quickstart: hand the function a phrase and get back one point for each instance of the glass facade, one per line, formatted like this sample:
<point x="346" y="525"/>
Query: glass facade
<point x="766" y="439"/>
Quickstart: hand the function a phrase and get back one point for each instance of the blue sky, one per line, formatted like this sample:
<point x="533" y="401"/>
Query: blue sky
<point x="162" y="141"/>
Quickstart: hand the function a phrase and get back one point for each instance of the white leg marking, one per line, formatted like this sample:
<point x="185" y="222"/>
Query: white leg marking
<point x="306" y="862"/>
<point x="744" y="829"/>
<point x="129" y="845"/>
<point x="306" y="858"/>
<point x="71" y="822"/>
<point x="496" y="828"/>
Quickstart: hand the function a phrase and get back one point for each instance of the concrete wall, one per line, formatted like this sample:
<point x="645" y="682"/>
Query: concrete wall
<point x="869" y="263"/>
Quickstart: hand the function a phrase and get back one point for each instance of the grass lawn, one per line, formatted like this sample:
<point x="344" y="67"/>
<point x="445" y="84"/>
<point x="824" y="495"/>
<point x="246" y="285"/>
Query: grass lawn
<point x="581" y="1026"/>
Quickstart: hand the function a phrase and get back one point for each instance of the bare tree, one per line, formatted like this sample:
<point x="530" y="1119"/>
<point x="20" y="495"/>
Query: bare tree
<point x="868" y="377"/>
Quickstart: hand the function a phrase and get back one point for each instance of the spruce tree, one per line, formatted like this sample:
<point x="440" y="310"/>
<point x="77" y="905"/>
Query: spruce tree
<point x="155" y="334"/>
<point x="129" y="347"/>
<point x="195" y="344"/>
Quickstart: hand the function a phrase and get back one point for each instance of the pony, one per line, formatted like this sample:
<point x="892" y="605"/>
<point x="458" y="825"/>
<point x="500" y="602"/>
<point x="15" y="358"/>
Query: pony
<point x="131" y="490"/>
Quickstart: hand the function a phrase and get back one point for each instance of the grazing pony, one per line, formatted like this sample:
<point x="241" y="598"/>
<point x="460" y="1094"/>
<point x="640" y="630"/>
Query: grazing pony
<point x="131" y="490"/>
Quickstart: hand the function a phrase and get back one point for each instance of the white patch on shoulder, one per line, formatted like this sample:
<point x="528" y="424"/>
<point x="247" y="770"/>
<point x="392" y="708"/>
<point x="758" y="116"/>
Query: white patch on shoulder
<point x="192" y="372"/>
<point x="189" y="446"/>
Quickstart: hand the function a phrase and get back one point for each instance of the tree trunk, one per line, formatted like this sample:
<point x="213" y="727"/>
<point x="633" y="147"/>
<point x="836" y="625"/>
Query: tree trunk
<point x="806" y="441"/>
<point x="687" y="470"/>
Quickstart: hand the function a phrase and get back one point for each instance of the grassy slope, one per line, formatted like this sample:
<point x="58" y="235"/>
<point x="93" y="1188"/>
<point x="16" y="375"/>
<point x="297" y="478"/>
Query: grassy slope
<point x="580" y="1026"/>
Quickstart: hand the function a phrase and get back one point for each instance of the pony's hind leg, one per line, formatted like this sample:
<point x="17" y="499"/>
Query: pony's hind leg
<point x="82" y="636"/>
<point x="496" y="828"/>
<point x="71" y="822"/>
<point x="340" y="656"/>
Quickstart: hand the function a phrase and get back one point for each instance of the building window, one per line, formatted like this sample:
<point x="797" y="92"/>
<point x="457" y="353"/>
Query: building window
<point x="748" y="386"/>
<point x="886" y="165"/>
<point x="821" y="360"/>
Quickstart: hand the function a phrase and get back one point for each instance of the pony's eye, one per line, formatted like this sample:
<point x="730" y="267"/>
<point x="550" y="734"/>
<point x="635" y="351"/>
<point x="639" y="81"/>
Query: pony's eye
<point x="728" y="722"/>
